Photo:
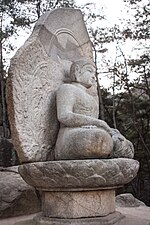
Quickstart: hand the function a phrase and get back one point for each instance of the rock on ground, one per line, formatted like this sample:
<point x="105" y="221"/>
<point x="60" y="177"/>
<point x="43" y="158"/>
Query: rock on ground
<point x="135" y="211"/>
<point x="128" y="200"/>
<point x="17" y="197"/>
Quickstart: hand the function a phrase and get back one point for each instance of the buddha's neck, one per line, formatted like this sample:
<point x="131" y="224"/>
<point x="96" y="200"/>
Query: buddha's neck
<point x="79" y="85"/>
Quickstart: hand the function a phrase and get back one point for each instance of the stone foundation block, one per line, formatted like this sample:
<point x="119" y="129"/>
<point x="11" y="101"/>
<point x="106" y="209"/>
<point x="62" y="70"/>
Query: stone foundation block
<point x="112" y="219"/>
<point x="78" y="204"/>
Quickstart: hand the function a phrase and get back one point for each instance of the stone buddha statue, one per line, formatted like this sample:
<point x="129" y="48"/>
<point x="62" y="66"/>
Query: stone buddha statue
<point x="82" y="135"/>
<point x="67" y="152"/>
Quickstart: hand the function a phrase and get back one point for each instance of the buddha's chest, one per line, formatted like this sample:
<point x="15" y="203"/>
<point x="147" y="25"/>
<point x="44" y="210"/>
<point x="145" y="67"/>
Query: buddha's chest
<point x="85" y="104"/>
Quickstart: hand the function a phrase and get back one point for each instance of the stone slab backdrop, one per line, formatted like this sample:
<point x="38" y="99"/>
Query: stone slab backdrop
<point x="36" y="71"/>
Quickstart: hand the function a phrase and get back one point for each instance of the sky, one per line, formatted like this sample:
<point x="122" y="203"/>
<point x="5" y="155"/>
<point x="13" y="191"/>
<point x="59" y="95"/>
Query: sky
<point x="112" y="8"/>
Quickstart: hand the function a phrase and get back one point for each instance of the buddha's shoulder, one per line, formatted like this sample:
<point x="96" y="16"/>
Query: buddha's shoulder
<point x="67" y="87"/>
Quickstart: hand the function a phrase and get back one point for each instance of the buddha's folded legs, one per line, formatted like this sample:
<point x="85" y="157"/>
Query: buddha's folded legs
<point x="83" y="143"/>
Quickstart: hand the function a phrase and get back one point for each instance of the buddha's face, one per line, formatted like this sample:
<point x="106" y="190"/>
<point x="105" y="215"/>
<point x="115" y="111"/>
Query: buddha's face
<point x="86" y="76"/>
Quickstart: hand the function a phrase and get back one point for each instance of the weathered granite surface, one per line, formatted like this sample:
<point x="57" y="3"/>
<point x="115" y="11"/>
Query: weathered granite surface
<point x="123" y="148"/>
<point x="35" y="73"/>
<point x="78" y="204"/>
<point x="128" y="200"/>
<point x="59" y="50"/>
<point x="135" y="215"/>
<point x="16" y="196"/>
<point x="82" y="135"/>
<point x="79" y="174"/>
<point x="111" y="219"/>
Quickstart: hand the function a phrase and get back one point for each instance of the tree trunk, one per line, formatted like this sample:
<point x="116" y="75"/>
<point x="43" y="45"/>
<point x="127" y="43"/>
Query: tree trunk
<point x="3" y="101"/>
<point x="101" y="105"/>
<point x="114" y="104"/>
<point x="2" y="86"/>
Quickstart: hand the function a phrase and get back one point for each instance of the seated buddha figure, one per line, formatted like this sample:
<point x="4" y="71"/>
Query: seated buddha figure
<point x="82" y="135"/>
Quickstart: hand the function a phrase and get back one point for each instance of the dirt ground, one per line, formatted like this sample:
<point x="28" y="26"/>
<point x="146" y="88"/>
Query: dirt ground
<point x="13" y="220"/>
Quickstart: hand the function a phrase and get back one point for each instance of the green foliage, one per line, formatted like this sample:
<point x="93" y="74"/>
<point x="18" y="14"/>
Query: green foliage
<point x="132" y="114"/>
<point x="41" y="6"/>
<point x="140" y="25"/>
<point x="13" y="15"/>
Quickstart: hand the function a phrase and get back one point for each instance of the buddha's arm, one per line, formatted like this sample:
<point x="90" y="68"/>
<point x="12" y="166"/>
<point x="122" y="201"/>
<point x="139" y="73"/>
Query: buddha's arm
<point x="66" y="116"/>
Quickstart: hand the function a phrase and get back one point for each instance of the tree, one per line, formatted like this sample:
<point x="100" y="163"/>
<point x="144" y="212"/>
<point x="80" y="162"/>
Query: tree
<point x="138" y="28"/>
<point x="127" y="108"/>
<point x="12" y="16"/>
<point x="41" y="6"/>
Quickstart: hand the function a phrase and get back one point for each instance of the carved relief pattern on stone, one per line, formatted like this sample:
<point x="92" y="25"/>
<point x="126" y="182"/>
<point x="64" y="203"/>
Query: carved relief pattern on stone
<point x="34" y="84"/>
<point x="79" y="174"/>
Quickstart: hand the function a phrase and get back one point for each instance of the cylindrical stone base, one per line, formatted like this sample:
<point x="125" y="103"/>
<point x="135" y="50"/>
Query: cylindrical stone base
<point x="76" y="204"/>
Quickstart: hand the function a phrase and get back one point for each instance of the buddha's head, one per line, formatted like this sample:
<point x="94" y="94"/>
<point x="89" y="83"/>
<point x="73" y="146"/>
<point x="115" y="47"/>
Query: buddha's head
<point x="83" y="72"/>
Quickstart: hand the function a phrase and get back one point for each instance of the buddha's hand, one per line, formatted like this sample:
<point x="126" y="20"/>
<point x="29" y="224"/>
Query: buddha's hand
<point x="116" y="133"/>
<point x="104" y="125"/>
<point x="123" y="148"/>
<point x="89" y="127"/>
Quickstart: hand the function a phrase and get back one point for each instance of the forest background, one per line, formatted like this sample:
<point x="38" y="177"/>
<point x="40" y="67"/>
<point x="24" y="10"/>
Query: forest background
<point x="121" y="53"/>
